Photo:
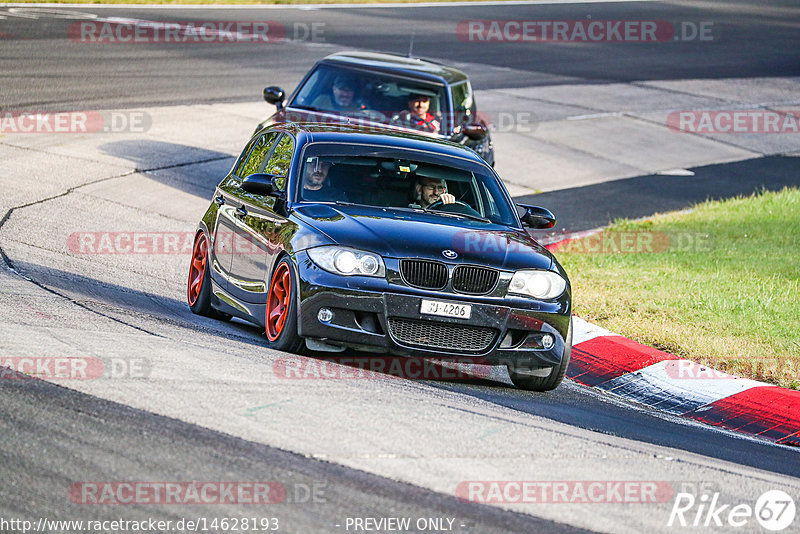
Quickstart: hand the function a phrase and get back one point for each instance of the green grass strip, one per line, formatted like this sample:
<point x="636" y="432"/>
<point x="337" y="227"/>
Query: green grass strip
<point x="718" y="284"/>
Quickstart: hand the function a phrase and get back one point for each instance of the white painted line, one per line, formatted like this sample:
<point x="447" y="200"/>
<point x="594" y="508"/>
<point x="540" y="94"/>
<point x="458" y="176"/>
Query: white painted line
<point x="676" y="172"/>
<point x="584" y="331"/>
<point x="53" y="13"/>
<point x="16" y="12"/>
<point x="596" y="116"/>
<point x="330" y="6"/>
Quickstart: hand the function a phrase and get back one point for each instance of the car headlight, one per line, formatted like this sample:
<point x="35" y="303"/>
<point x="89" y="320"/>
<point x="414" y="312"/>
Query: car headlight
<point x="347" y="261"/>
<point x="537" y="284"/>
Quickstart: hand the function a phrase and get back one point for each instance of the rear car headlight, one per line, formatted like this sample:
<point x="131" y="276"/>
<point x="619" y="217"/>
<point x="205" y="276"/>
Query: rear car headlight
<point x="537" y="284"/>
<point x="347" y="261"/>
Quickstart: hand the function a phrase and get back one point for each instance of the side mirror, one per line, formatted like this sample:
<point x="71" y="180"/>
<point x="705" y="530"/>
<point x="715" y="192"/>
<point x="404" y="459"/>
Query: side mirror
<point x="274" y="95"/>
<point x="537" y="218"/>
<point x="475" y="131"/>
<point x="264" y="184"/>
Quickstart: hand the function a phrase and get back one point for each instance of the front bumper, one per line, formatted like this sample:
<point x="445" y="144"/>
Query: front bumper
<point x="374" y="314"/>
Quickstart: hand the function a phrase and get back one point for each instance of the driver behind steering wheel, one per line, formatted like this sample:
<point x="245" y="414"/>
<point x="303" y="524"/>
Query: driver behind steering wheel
<point x="429" y="191"/>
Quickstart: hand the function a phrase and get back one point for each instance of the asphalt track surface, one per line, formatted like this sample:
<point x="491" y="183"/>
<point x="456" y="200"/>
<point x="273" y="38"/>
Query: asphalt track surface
<point x="43" y="445"/>
<point x="53" y="436"/>
<point x="42" y="71"/>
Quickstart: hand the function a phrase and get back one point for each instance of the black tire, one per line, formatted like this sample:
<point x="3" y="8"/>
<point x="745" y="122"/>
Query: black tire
<point x="199" y="298"/>
<point x="545" y="383"/>
<point x="283" y="337"/>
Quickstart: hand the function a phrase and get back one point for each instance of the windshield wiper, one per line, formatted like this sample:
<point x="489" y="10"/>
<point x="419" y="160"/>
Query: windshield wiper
<point x="454" y="213"/>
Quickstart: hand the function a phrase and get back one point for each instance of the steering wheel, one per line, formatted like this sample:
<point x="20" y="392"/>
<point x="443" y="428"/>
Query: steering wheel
<point x="455" y="207"/>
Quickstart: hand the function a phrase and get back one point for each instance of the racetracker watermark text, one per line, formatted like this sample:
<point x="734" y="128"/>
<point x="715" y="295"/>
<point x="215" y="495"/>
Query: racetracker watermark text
<point x="519" y="121"/>
<point x="74" y="122"/>
<point x="688" y="370"/>
<point x="134" y="31"/>
<point x="570" y="491"/>
<point x="127" y="242"/>
<point x="582" y="31"/>
<point x="741" y="121"/>
<point x="269" y="492"/>
<point x="376" y="368"/>
<point x="138" y="243"/>
<point x="72" y="368"/>
<point x="603" y="242"/>
<point x="251" y="523"/>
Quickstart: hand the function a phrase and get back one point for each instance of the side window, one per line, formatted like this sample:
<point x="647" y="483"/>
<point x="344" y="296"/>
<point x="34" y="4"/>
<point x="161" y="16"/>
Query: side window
<point x="281" y="158"/>
<point x="257" y="155"/>
<point x="462" y="97"/>
<point x="242" y="158"/>
<point x="490" y="203"/>
<point x="309" y="90"/>
<point x="463" y="103"/>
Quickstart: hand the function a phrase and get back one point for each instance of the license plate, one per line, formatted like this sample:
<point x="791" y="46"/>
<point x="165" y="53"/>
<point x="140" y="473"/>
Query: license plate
<point x="446" y="309"/>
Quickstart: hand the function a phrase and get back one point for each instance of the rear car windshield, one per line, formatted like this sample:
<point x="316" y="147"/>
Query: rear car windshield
<point x="375" y="96"/>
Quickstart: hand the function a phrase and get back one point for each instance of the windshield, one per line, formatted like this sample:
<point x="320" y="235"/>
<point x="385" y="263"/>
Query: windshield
<point x="375" y="97"/>
<point x="402" y="179"/>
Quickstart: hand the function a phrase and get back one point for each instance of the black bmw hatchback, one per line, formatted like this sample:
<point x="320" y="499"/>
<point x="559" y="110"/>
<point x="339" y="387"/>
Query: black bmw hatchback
<point x="343" y="237"/>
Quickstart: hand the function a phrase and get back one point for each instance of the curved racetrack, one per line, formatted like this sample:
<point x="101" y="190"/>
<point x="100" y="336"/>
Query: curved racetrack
<point x="187" y="399"/>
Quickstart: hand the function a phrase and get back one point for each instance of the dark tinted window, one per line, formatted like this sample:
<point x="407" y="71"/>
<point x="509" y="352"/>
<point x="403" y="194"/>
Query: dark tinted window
<point x="463" y="103"/>
<point x="280" y="159"/>
<point x="259" y="149"/>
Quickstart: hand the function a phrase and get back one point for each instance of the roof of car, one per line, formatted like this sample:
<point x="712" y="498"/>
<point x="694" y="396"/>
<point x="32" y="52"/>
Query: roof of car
<point x="421" y="68"/>
<point x="308" y="132"/>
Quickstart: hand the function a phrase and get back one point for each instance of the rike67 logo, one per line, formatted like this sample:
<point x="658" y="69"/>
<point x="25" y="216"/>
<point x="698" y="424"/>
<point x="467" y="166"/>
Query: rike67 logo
<point x="774" y="510"/>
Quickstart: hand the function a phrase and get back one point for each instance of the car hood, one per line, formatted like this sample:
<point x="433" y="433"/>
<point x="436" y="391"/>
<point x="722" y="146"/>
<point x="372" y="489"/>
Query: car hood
<point x="401" y="234"/>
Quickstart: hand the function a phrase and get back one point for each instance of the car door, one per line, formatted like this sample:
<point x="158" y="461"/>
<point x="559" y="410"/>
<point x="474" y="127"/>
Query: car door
<point x="226" y="199"/>
<point x="223" y="226"/>
<point x="257" y="223"/>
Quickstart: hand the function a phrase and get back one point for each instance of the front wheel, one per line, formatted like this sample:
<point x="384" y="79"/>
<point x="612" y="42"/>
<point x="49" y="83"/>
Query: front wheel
<point x="530" y="382"/>
<point x="280" y="321"/>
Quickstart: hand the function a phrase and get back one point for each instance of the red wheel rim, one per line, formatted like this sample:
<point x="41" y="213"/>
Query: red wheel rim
<point x="280" y="291"/>
<point x="197" y="269"/>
